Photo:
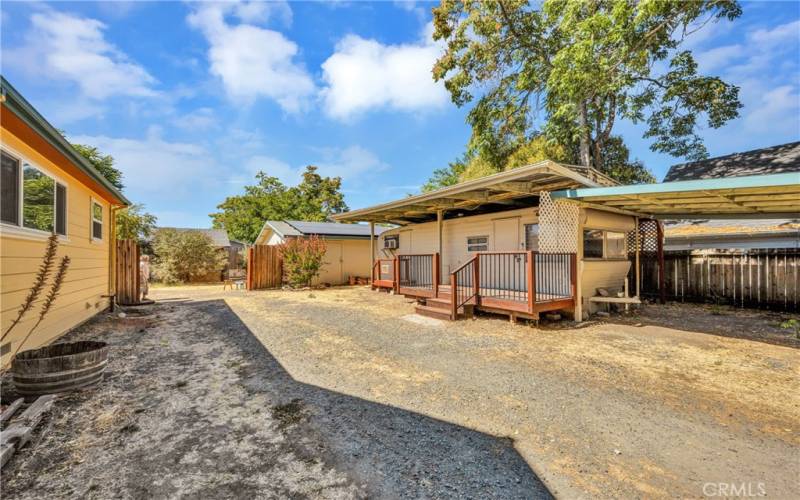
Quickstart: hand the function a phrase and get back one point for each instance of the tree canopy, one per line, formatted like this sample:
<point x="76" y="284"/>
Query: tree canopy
<point x="315" y="198"/>
<point x="134" y="223"/>
<point x="102" y="162"/>
<point x="577" y="68"/>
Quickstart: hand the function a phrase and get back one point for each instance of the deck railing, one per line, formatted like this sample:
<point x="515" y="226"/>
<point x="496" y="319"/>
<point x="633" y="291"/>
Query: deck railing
<point x="383" y="273"/>
<point x="418" y="273"/>
<point x="522" y="281"/>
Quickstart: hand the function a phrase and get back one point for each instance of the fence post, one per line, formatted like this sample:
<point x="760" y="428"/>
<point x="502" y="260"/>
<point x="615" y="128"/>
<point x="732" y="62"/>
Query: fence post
<point x="250" y="263"/>
<point x="531" y="270"/>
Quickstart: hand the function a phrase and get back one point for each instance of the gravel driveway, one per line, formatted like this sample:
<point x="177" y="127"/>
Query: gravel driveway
<point x="344" y="393"/>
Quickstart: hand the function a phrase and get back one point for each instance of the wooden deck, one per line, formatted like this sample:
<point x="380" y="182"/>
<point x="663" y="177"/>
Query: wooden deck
<point x="417" y="277"/>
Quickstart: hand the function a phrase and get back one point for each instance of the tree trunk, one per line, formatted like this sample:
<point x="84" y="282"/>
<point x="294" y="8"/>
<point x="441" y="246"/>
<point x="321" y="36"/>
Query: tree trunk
<point x="598" y="155"/>
<point x="585" y="142"/>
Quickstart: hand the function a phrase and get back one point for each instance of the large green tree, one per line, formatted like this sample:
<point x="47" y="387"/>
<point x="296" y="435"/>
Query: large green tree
<point x="102" y="162"/>
<point x="579" y="67"/>
<point x="315" y="198"/>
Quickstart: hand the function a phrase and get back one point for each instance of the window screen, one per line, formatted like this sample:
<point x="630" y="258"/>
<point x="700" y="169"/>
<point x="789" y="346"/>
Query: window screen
<point x="615" y="245"/>
<point x="592" y="244"/>
<point x="532" y="237"/>
<point x="38" y="199"/>
<point x="61" y="209"/>
<point x="9" y="190"/>
<point x="477" y="244"/>
<point x="97" y="221"/>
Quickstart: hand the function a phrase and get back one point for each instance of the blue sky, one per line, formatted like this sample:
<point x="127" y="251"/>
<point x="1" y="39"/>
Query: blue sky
<point x="192" y="99"/>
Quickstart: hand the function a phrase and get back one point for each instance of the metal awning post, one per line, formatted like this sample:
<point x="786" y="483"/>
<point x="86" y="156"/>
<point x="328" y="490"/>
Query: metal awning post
<point x="638" y="266"/>
<point x="371" y="249"/>
<point x="439" y="219"/>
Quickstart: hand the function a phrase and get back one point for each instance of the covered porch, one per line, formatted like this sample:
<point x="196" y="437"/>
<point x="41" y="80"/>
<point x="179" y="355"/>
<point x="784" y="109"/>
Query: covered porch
<point x="496" y="274"/>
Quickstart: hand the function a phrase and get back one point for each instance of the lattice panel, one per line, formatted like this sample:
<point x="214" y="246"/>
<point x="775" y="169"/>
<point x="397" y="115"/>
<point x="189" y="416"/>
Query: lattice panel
<point x="558" y="225"/>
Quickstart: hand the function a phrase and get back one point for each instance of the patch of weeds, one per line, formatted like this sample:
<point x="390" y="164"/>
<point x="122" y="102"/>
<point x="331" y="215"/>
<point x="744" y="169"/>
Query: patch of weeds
<point x="716" y="310"/>
<point x="288" y="414"/>
<point x="312" y="296"/>
<point x="792" y="325"/>
<point x="233" y="364"/>
<point x="179" y="384"/>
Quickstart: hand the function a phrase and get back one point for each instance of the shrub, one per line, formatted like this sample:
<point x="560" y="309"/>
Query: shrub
<point x="302" y="259"/>
<point x="183" y="255"/>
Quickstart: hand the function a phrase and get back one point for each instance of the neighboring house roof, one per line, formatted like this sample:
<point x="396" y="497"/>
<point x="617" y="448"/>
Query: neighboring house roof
<point x="772" y="160"/>
<point x="296" y="228"/>
<point x="17" y="104"/>
<point x="219" y="237"/>
<point x="732" y="234"/>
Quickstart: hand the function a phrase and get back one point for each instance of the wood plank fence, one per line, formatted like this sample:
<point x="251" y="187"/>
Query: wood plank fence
<point x="264" y="267"/>
<point x="127" y="272"/>
<point x="761" y="278"/>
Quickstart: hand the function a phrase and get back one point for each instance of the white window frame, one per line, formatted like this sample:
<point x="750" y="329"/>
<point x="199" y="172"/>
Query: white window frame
<point x="93" y="202"/>
<point x="485" y="236"/>
<point x="29" y="232"/>
<point x="605" y="244"/>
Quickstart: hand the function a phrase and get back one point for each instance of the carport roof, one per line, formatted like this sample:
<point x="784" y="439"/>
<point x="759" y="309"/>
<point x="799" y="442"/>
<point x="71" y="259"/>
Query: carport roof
<point x="757" y="196"/>
<point x="507" y="190"/>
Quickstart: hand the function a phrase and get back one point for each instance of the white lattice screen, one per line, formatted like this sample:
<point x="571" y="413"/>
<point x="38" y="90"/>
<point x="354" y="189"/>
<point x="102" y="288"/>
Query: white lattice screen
<point x="558" y="225"/>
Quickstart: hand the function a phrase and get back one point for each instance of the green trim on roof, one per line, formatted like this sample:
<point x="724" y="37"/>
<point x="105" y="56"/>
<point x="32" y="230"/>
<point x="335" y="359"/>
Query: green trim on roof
<point x="751" y="181"/>
<point x="16" y="103"/>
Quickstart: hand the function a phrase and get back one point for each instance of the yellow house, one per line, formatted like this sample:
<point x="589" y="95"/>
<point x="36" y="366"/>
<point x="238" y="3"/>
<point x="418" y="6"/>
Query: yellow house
<point x="48" y="187"/>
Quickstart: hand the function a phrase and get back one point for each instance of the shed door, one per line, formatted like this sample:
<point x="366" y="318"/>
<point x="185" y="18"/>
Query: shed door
<point x="332" y="270"/>
<point x="506" y="234"/>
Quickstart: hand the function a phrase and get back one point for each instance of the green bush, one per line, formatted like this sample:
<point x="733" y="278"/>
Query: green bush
<point x="303" y="259"/>
<point x="184" y="255"/>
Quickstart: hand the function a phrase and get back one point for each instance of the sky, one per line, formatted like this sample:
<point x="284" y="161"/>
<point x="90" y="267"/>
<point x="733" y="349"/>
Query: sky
<point x="193" y="99"/>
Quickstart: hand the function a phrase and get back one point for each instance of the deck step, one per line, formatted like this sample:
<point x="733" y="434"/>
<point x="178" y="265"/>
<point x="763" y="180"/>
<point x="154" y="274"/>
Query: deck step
<point x="438" y="303"/>
<point x="433" y="312"/>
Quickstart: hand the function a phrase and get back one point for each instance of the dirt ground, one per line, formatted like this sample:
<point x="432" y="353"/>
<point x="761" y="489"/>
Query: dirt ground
<point x="345" y="393"/>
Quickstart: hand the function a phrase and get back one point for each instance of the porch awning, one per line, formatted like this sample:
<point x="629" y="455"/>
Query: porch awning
<point x="515" y="188"/>
<point x="757" y="196"/>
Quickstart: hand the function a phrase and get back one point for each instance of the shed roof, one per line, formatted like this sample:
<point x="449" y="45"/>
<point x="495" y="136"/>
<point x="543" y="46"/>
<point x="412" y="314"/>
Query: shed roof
<point x="772" y="160"/>
<point x="286" y="228"/>
<point x="757" y="196"/>
<point x="507" y="190"/>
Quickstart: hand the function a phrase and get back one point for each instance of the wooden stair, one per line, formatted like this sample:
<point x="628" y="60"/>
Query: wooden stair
<point x="439" y="308"/>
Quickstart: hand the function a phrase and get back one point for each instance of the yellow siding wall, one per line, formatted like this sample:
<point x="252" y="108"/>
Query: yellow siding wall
<point x="20" y="255"/>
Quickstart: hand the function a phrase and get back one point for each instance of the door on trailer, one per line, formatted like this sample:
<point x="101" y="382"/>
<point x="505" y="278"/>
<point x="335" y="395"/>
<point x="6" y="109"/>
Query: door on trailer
<point x="331" y="272"/>
<point x="505" y="271"/>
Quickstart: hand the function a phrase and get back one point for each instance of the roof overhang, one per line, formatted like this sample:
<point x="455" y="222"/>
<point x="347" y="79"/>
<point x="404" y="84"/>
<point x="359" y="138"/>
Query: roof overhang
<point x="24" y="121"/>
<point x="757" y="196"/>
<point x="507" y="190"/>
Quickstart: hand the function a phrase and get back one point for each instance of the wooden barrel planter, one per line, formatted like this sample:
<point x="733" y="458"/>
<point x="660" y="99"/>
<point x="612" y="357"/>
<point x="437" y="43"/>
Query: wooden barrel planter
<point x="59" y="368"/>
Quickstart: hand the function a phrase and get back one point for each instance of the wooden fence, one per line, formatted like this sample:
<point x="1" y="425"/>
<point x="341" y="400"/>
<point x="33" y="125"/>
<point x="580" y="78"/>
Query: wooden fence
<point x="765" y="278"/>
<point x="264" y="267"/>
<point x="127" y="272"/>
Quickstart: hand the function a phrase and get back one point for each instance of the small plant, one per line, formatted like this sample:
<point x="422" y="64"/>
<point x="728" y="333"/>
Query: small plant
<point x="39" y="283"/>
<point x="792" y="324"/>
<point x="184" y="255"/>
<point x="303" y="259"/>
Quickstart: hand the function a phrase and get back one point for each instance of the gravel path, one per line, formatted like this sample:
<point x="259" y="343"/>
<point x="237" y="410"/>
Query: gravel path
<point x="344" y="393"/>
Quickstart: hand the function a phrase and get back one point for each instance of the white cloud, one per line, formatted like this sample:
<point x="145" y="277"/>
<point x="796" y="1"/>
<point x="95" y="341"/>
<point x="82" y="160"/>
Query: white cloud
<point x="776" y="109"/>
<point x="199" y="119"/>
<point x="365" y="74"/>
<point x="154" y="168"/>
<point x="61" y="46"/>
<point x="251" y="61"/>
<point x="718" y="57"/>
<point x="789" y="32"/>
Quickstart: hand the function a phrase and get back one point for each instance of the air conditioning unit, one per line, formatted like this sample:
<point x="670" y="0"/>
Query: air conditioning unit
<point x="391" y="242"/>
